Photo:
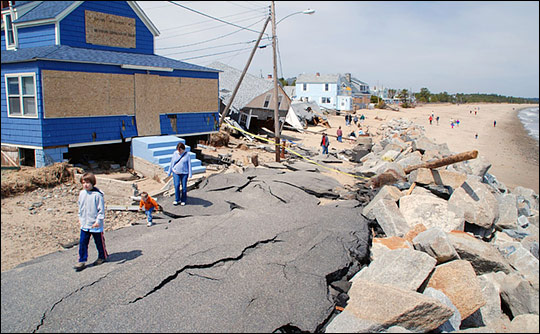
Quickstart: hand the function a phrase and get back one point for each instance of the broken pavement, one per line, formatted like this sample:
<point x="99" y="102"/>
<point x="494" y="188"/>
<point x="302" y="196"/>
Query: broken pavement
<point x="253" y="252"/>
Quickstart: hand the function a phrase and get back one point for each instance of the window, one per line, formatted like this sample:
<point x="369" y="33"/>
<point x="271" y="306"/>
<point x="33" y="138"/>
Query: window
<point x="304" y="87"/>
<point x="280" y="97"/>
<point x="267" y="101"/>
<point x="10" y="36"/>
<point x="325" y="100"/>
<point x="21" y="92"/>
<point x="326" y="87"/>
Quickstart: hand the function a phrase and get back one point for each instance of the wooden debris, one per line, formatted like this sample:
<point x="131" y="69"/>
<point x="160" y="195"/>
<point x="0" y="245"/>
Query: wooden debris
<point x="390" y="176"/>
<point x="444" y="161"/>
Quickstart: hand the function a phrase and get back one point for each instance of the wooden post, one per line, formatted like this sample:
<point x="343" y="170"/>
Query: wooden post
<point x="444" y="161"/>
<point x="226" y="111"/>
<point x="276" y="91"/>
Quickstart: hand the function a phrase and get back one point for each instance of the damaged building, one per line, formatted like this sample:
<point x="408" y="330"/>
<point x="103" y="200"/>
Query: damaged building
<point x="253" y="105"/>
<point x="77" y="75"/>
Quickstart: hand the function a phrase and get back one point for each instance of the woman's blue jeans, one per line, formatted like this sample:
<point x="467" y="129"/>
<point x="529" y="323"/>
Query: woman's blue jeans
<point x="180" y="179"/>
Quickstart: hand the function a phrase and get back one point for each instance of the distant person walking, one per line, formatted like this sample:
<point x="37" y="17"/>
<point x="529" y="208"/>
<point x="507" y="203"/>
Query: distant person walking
<point x="494" y="123"/>
<point x="339" y="135"/>
<point x="325" y="142"/>
<point x="346" y="119"/>
<point x="149" y="205"/>
<point x="437" y="120"/>
<point x="457" y="122"/>
<point x="476" y="136"/>
<point x="91" y="218"/>
<point x="180" y="169"/>
<point x="355" y="120"/>
<point x="430" y="120"/>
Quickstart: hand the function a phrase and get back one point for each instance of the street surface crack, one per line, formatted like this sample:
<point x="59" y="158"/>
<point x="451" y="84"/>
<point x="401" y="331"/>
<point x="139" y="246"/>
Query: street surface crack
<point x="204" y="266"/>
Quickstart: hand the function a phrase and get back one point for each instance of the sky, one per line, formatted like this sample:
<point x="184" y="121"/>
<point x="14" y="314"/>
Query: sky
<point x="486" y="47"/>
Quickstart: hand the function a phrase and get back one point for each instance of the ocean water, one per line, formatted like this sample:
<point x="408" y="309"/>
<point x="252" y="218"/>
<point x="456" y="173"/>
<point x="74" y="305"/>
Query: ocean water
<point x="529" y="118"/>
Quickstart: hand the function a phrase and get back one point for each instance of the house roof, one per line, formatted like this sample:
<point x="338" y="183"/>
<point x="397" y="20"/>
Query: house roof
<point x="250" y="88"/>
<point x="102" y="57"/>
<point x="290" y="91"/>
<point x="47" y="11"/>
<point x="313" y="78"/>
<point x="44" y="11"/>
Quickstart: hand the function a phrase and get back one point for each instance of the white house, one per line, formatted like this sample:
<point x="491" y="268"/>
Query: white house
<point x="330" y="91"/>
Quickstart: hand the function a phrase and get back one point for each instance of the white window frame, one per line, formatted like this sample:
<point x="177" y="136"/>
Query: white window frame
<point x="20" y="95"/>
<point x="267" y="100"/>
<point x="7" y="29"/>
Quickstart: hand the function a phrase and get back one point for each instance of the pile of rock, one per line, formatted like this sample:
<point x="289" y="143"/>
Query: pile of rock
<point x="454" y="248"/>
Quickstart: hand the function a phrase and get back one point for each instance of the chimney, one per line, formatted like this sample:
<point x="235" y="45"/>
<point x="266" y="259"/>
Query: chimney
<point x="348" y="77"/>
<point x="318" y="74"/>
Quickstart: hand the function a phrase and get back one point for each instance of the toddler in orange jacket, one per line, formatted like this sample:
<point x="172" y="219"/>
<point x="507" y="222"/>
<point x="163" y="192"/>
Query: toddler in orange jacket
<point x="149" y="206"/>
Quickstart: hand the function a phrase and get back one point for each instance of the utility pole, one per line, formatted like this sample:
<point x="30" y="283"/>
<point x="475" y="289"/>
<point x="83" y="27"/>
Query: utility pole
<point x="276" y="91"/>
<point x="243" y="74"/>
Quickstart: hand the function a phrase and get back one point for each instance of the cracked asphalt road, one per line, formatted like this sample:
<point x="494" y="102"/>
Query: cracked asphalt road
<point x="251" y="252"/>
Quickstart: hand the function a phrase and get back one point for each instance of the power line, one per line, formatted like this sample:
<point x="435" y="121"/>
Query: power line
<point x="212" y="17"/>
<point x="205" y="21"/>
<point x="211" y="47"/>
<point x="210" y="28"/>
<point x="213" y="39"/>
<point x="219" y="53"/>
<point x="279" y="56"/>
<point x="252" y="8"/>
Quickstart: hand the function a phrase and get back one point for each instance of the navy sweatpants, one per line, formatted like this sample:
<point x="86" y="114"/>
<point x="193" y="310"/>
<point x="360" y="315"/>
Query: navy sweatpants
<point x="99" y="240"/>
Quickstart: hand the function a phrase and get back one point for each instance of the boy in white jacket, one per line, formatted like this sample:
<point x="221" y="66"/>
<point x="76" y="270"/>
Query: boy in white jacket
<point x="91" y="217"/>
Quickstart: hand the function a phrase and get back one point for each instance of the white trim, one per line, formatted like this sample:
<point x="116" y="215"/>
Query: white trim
<point x="21" y="95"/>
<point x="35" y="23"/>
<point x="192" y="134"/>
<point x="12" y="15"/>
<point x="146" y="68"/>
<point x="68" y="10"/>
<point x="116" y="141"/>
<point x="57" y="33"/>
<point x="23" y="146"/>
<point x="144" y="18"/>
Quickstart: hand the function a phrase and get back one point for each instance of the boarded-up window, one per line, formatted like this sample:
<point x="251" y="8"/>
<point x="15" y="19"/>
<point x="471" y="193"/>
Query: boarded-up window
<point x="78" y="94"/>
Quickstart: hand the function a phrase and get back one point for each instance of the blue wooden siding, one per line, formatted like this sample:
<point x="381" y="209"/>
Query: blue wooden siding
<point x="73" y="130"/>
<point x="190" y="123"/>
<point x="72" y="27"/>
<point x="49" y="156"/>
<point x="36" y="36"/>
<point x="3" y="40"/>
<point x="21" y="130"/>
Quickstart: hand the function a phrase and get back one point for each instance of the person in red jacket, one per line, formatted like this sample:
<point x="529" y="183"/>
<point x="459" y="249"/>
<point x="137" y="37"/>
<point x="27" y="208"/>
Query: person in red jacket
<point x="149" y="206"/>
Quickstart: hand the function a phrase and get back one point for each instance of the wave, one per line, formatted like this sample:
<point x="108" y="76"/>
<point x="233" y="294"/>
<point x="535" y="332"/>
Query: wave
<point x="529" y="119"/>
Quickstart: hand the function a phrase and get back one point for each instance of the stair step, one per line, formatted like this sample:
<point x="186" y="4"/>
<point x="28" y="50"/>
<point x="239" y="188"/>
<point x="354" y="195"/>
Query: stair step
<point x="160" y="149"/>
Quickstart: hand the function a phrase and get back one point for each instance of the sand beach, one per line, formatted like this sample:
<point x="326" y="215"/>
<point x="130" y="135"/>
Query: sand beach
<point x="514" y="154"/>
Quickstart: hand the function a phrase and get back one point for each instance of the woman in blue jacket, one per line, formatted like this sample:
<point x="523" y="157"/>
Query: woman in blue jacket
<point x="180" y="169"/>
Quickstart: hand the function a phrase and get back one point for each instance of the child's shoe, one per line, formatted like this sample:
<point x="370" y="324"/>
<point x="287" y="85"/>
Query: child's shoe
<point x="80" y="266"/>
<point x="149" y="224"/>
<point x="98" y="262"/>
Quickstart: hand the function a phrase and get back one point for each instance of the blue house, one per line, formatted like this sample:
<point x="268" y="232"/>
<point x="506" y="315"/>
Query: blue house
<point x="83" y="74"/>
